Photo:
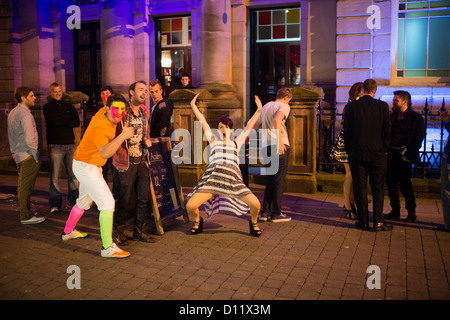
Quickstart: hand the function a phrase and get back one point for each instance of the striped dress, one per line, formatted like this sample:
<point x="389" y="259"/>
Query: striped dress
<point x="223" y="178"/>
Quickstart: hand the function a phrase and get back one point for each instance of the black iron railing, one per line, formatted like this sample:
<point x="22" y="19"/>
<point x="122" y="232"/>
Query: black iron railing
<point x="328" y="128"/>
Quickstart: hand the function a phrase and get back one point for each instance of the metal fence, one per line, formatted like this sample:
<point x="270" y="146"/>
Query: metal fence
<point x="329" y="126"/>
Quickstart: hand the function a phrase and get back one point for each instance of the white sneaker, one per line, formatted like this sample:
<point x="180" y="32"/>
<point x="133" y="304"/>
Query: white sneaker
<point x="33" y="220"/>
<point x="281" y="218"/>
<point x="114" y="252"/>
<point x="73" y="235"/>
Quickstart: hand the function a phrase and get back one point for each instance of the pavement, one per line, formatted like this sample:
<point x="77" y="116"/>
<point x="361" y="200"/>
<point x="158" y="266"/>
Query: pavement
<point x="318" y="255"/>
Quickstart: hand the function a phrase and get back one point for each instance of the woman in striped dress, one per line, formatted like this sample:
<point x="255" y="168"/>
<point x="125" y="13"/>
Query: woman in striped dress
<point x="221" y="185"/>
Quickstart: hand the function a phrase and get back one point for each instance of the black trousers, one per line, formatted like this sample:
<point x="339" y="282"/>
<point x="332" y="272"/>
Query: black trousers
<point x="399" y="174"/>
<point x="137" y="176"/>
<point x="376" y="172"/>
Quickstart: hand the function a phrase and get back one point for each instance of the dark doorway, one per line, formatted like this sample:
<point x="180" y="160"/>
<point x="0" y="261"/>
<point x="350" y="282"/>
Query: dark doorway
<point x="88" y="61"/>
<point x="275" y="52"/>
<point x="173" y="51"/>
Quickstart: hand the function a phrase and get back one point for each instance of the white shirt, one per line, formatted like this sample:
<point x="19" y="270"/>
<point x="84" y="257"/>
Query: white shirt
<point x="22" y="134"/>
<point x="266" y="118"/>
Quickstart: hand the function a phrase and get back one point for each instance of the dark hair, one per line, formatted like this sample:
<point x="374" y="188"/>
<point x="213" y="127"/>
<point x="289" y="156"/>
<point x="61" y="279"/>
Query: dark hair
<point x="404" y="95"/>
<point x="154" y="82"/>
<point x="21" y="92"/>
<point x="226" y="121"/>
<point x="355" y="91"/>
<point x="54" y="85"/>
<point x="369" y="86"/>
<point x="133" y="85"/>
<point x="104" y="88"/>
<point x="185" y="75"/>
<point x="115" y="97"/>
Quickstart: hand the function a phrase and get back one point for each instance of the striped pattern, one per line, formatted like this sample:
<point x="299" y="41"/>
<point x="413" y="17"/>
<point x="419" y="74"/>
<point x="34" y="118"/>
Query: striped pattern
<point x="223" y="178"/>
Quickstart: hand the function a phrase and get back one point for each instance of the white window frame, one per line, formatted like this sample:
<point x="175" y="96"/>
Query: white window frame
<point x="408" y="81"/>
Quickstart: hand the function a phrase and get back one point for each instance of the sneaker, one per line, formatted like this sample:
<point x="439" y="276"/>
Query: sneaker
<point x="73" y="235"/>
<point x="263" y="217"/>
<point x="33" y="220"/>
<point x="281" y="218"/>
<point x="114" y="252"/>
<point x="54" y="210"/>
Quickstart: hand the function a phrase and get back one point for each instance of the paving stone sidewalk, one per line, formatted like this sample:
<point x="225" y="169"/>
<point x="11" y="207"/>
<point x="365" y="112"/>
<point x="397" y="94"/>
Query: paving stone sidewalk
<point x="319" y="255"/>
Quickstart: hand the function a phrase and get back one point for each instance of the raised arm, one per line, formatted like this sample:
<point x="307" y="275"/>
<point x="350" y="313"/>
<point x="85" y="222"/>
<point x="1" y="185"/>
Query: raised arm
<point x="201" y="118"/>
<point x="251" y="124"/>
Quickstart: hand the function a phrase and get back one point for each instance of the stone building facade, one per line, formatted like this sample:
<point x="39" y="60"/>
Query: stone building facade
<point x="233" y="48"/>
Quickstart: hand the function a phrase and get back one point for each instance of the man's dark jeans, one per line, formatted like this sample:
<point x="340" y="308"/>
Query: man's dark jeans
<point x="399" y="173"/>
<point x="275" y="184"/>
<point x="137" y="177"/>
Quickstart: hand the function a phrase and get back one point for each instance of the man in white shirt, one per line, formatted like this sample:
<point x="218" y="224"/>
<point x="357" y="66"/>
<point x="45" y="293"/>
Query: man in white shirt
<point x="23" y="142"/>
<point x="273" y="118"/>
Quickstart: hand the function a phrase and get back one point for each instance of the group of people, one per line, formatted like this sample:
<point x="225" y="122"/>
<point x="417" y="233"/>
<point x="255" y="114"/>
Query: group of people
<point x="373" y="144"/>
<point x="118" y="136"/>
<point x="119" y="132"/>
<point x="382" y="146"/>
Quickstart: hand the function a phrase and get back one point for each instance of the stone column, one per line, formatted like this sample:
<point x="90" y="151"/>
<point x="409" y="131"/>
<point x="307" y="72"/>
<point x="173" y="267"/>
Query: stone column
<point x="302" y="131"/>
<point x="37" y="59"/>
<point x="141" y="44"/>
<point x="301" y="126"/>
<point x="191" y="170"/>
<point x="212" y="56"/>
<point x="118" y="59"/>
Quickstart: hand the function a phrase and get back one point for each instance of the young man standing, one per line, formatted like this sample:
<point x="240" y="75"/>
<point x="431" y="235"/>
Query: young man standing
<point x="131" y="161"/>
<point x="273" y="118"/>
<point x="98" y="144"/>
<point x="105" y="92"/>
<point x="60" y="118"/>
<point x="367" y="135"/>
<point x="160" y="124"/>
<point x="407" y="133"/>
<point x="23" y="142"/>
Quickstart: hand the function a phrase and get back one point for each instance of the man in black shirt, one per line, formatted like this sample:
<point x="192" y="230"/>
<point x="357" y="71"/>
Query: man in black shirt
<point x="60" y="118"/>
<point x="161" y="114"/>
<point x="407" y="133"/>
<point x="186" y="82"/>
<point x="367" y="138"/>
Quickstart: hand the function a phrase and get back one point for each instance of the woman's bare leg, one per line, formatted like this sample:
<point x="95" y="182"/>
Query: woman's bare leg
<point x="194" y="203"/>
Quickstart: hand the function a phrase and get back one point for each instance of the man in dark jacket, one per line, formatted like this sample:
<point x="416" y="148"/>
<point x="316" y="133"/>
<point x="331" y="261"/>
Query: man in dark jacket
<point x="60" y="118"/>
<point x="367" y="138"/>
<point x="407" y="133"/>
<point x="161" y="114"/>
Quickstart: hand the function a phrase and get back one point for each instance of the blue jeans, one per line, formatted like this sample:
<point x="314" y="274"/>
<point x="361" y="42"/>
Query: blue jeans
<point x="275" y="185"/>
<point x="445" y="191"/>
<point x="62" y="154"/>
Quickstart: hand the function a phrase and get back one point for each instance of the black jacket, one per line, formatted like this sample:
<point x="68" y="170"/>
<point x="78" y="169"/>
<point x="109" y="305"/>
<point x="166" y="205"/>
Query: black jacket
<point x="414" y="134"/>
<point x="60" y="118"/>
<point x="160" y="125"/>
<point x="367" y="129"/>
